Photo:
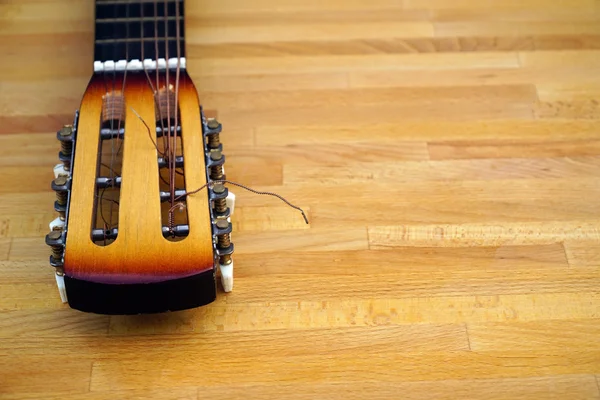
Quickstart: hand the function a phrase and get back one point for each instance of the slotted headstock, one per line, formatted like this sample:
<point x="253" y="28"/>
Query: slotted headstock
<point x="134" y="235"/>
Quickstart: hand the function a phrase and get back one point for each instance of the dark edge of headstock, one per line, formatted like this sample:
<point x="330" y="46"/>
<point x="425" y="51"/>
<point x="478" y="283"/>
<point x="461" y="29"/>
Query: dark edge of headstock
<point x="142" y="298"/>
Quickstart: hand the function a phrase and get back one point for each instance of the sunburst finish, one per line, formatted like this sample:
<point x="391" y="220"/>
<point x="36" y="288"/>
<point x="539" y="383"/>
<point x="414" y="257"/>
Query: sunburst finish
<point x="140" y="254"/>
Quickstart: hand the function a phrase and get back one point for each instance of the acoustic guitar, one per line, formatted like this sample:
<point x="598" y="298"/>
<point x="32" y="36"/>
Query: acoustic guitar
<point x="143" y="212"/>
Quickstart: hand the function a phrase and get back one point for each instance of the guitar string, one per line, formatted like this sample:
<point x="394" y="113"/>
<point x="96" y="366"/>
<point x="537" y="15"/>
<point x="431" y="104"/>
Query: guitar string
<point x="142" y="48"/>
<point x="114" y="156"/>
<point x="99" y="196"/>
<point x="171" y="151"/>
<point x="154" y="88"/>
<point x="178" y="38"/>
<point x="112" y="140"/>
<point x="125" y="74"/>
<point x="157" y="98"/>
<point x="156" y="55"/>
<point x="108" y="224"/>
<point x="170" y="139"/>
<point x="177" y="74"/>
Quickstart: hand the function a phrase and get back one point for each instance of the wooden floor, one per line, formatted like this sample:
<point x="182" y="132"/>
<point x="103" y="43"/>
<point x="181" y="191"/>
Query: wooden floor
<point x="447" y="152"/>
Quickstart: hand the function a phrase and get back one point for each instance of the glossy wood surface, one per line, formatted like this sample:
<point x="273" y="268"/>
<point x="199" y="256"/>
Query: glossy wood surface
<point x="140" y="254"/>
<point x="447" y="153"/>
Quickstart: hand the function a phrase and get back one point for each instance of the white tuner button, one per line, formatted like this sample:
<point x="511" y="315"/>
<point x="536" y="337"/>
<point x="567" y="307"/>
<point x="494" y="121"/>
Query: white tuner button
<point x="59" y="170"/>
<point x="231" y="202"/>
<point x="227" y="276"/>
<point x="57" y="224"/>
<point x="62" y="290"/>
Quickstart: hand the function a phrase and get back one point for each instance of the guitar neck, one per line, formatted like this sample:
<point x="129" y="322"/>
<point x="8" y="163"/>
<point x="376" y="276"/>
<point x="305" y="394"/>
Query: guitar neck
<point x="129" y="31"/>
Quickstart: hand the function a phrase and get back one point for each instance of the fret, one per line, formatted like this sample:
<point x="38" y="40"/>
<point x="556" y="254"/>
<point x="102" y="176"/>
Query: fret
<point x="124" y="27"/>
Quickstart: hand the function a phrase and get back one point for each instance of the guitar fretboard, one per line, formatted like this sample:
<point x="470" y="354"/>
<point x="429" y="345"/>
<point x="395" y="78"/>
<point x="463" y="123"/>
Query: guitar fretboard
<point x="137" y="30"/>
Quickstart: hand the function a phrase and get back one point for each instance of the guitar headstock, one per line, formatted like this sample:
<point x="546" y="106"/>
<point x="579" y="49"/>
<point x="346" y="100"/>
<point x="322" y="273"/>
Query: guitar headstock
<point x="130" y="236"/>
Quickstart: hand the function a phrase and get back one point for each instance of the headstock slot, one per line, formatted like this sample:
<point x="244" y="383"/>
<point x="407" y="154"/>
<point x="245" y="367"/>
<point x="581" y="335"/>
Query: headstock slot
<point x="109" y="167"/>
<point x="166" y="109"/>
<point x="169" y="140"/>
<point x="113" y="110"/>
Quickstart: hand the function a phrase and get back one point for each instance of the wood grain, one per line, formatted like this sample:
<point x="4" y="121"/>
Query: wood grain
<point x="447" y="154"/>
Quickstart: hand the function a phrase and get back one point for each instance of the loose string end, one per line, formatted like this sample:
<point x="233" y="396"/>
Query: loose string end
<point x="304" y="216"/>
<point x="266" y="194"/>
<point x="222" y="181"/>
